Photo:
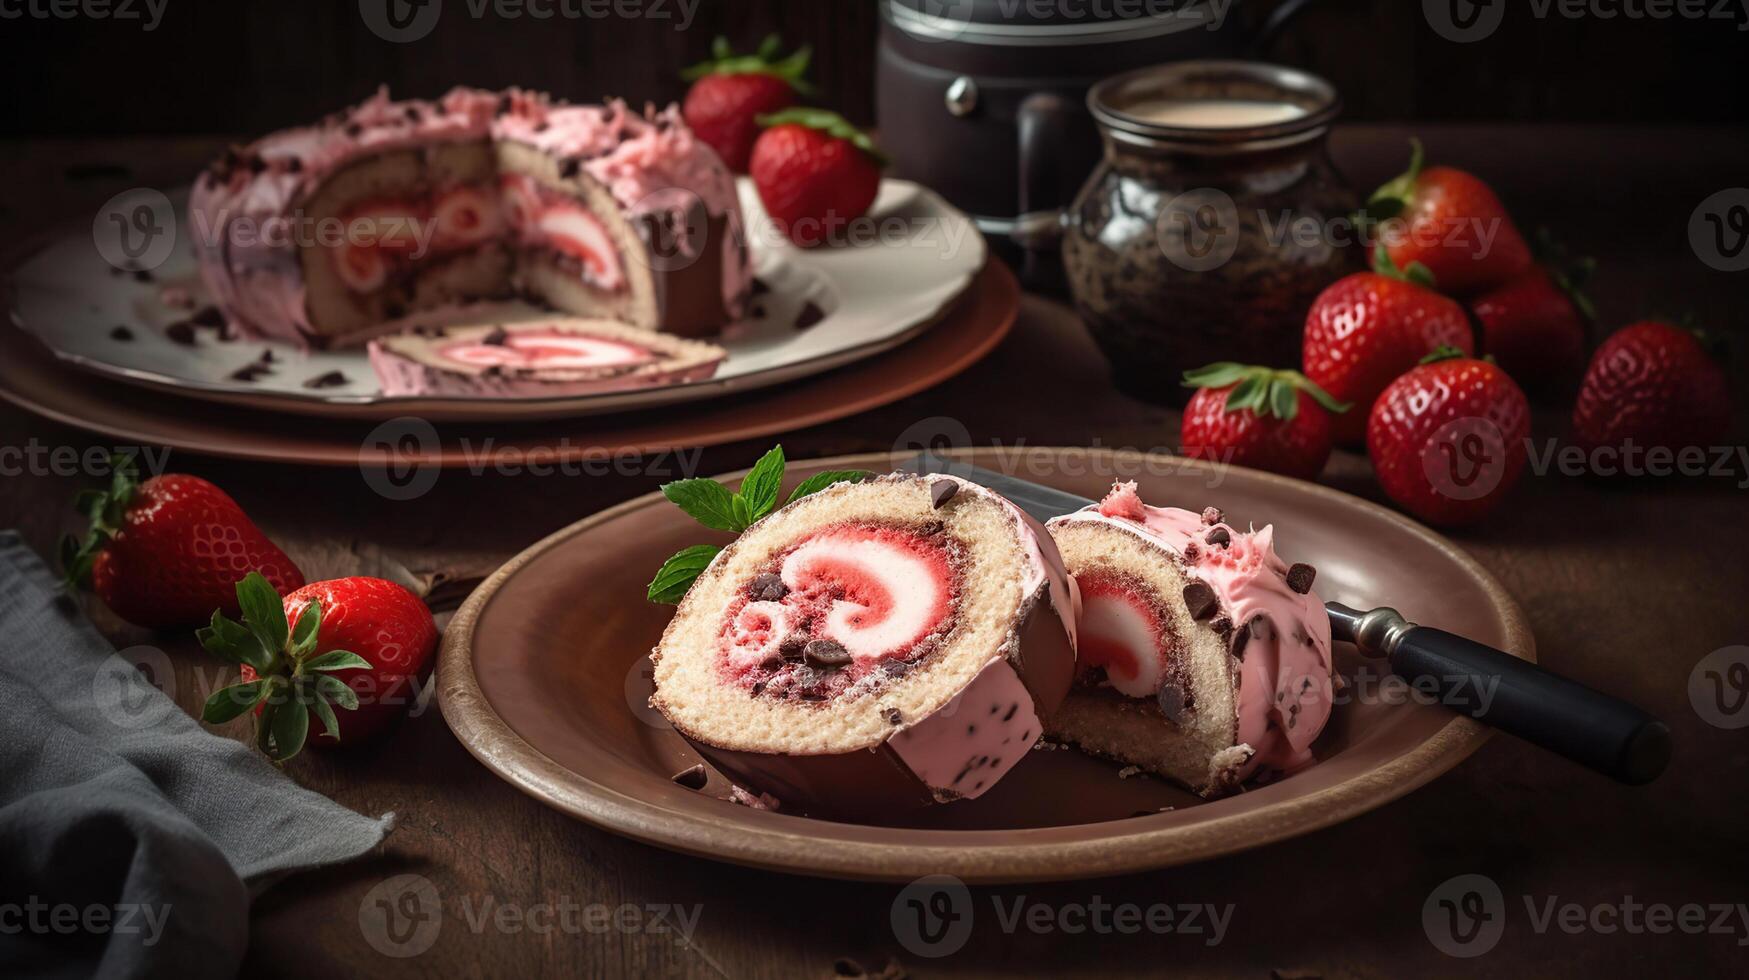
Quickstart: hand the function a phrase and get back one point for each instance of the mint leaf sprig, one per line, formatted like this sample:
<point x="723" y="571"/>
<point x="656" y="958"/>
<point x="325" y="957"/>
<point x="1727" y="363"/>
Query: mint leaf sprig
<point x="720" y="509"/>
<point x="289" y="681"/>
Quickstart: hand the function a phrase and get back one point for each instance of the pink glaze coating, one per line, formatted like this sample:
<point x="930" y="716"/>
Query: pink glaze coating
<point x="246" y="220"/>
<point x="961" y="750"/>
<point x="1285" y="687"/>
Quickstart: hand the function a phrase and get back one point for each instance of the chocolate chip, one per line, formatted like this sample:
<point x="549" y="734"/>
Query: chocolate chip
<point x="893" y="716"/>
<point x="790" y="647"/>
<point x="503" y="104"/>
<point x="541" y="126"/>
<point x="896" y="668"/>
<point x="1199" y="599"/>
<point x="143" y="275"/>
<point x="1011" y="710"/>
<point x="181" y="332"/>
<point x="760" y="288"/>
<point x="768" y="587"/>
<point x="333" y="379"/>
<point x="1211" y="516"/>
<point x="210" y="317"/>
<point x="294" y="164"/>
<point x="825" y="654"/>
<point x="1220" y="537"/>
<point x="1171" y="701"/>
<point x="810" y="315"/>
<point x="1222" y="625"/>
<point x="1240" y="638"/>
<point x="257" y="165"/>
<point x="942" y="491"/>
<point x="121" y="333"/>
<point x="499" y="337"/>
<point x="354" y="130"/>
<point x="412" y="114"/>
<point x="693" y="778"/>
<point x="571" y="167"/>
<point x="249" y="372"/>
<point x="758" y="311"/>
<point x="1300" y="576"/>
<point x="267" y="355"/>
<point x="1192" y="552"/>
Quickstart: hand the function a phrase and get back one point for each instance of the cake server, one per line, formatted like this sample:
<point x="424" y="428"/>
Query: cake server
<point x="1489" y="685"/>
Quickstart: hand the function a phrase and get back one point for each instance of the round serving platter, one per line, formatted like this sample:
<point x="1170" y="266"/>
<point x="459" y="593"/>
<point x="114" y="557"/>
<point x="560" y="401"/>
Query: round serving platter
<point x="543" y="675"/>
<point x="818" y="309"/>
<point x="34" y="380"/>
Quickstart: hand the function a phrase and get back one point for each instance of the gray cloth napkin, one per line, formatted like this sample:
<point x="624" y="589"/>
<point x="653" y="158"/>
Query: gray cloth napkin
<point x="131" y="838"/>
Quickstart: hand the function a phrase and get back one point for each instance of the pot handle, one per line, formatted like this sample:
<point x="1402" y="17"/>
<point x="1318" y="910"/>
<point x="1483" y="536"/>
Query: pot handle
<point x="1043" y="122"/>
<point x="1276" y="22"/>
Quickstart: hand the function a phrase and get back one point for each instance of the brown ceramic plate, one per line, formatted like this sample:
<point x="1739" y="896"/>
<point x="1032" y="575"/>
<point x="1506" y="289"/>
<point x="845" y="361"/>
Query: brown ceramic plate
<point x="33" y="379"/>
<point x="543" y="676"/>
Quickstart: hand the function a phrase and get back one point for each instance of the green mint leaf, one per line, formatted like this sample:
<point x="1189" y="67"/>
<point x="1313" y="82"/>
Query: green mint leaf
<point x="820" y="481"/>
<point x="705" y="501"/>
<point x="230" y="702"/>
<point x="759" y="488"/>
<point x="679" y="572"/>
<point x="263" y="611"/>
<point x="334" y="689"/>
<point x="338" y="660"/>
<point x="304" y="633"/>
<point x="291" y="726"/>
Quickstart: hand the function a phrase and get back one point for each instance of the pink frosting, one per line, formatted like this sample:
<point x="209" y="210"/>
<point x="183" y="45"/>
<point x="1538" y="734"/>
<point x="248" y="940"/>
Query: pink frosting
<point x="964" y="748"/>
<point x="651" y="162"/>
<point x="1285" y="675"/>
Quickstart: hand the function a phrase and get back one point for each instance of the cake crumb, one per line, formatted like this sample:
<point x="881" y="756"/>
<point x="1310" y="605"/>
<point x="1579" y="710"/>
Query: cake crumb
<point x="1128" y="772"/>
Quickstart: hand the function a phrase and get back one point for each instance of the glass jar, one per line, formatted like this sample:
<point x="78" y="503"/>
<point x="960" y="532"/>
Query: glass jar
<point x="1213" y="221"/>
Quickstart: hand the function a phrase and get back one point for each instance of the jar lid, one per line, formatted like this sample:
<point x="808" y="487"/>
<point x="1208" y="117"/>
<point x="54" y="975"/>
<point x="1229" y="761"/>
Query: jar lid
<point x="1215" y="106"/>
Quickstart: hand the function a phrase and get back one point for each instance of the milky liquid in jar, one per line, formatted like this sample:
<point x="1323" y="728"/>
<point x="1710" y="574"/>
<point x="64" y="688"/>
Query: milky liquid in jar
<point x="1212" y="113"/>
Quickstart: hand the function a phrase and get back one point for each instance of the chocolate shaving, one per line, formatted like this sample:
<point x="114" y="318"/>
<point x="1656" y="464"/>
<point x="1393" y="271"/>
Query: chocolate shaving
<point x="571" y="167"/>
<point x="942" y="491"/>
<point x="1199" y="599"/>
<point x="210" y="317"/>
<point x="1171" y="701"/>
<point x="1300" y="576"/>
<point x="810" y="315"/>
<point x="181" y="332"/>
<point x="249" y="372"/>
<point x="768" y="587"/>
<point x="694" y="778"/>
<point x="1222" y="625"/>
<point x="333" y="379"/>
<point x="825" y="654"/>
<point x="497" y="338"/>
<point x="412" y="113"/>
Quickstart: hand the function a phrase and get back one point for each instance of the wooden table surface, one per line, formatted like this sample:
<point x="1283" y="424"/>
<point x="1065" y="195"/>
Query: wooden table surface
<point x="1627" y="586"/>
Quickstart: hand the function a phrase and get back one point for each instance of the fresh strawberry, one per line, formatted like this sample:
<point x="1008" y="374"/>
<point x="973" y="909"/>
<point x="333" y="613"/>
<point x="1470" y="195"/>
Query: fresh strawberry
<point x="1535" y="326"/>
<point x="815" y="173"/>
<point x="1258" y="417"/>
<point x="292" y="653"/>
<point x="164" y="553"/>
<point x="1447" y="439"/>
<point x="1367" y="329"/>
<point x="1452" y="223"/>
<point x="1654" y="384"/>
<point x="730" y="92"/>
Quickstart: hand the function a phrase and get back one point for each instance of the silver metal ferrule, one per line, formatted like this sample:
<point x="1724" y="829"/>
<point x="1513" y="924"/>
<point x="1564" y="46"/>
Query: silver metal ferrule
<point x="1376" y="633"/>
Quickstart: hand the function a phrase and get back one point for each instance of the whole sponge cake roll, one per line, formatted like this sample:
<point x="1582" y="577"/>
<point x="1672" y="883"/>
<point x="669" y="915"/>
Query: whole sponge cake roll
<point x="873" y="648"/>
<point x="1203" y="656"/>
<point x="332" y="233"/>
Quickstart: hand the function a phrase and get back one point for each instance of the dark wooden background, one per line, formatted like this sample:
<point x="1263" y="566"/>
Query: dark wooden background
<point x="243" y="66"/>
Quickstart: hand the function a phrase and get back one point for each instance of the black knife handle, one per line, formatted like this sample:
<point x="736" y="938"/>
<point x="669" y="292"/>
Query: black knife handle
<point x="1544" y="708"/>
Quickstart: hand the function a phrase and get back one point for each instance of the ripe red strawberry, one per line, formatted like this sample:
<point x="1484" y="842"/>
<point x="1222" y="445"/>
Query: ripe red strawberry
<point x="1656" y="385"/>
<point x="359" y="644"/>
<point x="1535" y="327"/>
<point x="164" y="553"/>
<point x="1368" y="328"/>
<point x="730" y="92"/>
<point x="1452" y="223"/>
<point x="1447" y="439"/>
<point x="815" y="173"/>
<point x="1258" y="417"/>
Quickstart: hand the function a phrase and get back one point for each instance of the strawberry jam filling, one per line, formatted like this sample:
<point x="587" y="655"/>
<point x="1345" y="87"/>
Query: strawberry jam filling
<point x="1122" y="635"/>
<point x="389" y="236"/>
<point x="842" y="608"/>
<point x="550" y="350"/>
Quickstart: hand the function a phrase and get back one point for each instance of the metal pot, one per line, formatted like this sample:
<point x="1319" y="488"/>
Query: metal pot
<point x="985" y="100"/>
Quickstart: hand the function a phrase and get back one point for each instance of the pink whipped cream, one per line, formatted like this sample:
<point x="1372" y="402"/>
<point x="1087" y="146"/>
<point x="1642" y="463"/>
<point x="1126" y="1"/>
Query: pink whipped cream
<point x="548" y="350"/>
<point x="1285" y="684"/>
<point x="245" y="213"/>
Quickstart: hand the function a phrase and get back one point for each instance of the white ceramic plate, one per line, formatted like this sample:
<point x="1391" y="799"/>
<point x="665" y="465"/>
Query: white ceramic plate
<point x="878" y="291"/>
